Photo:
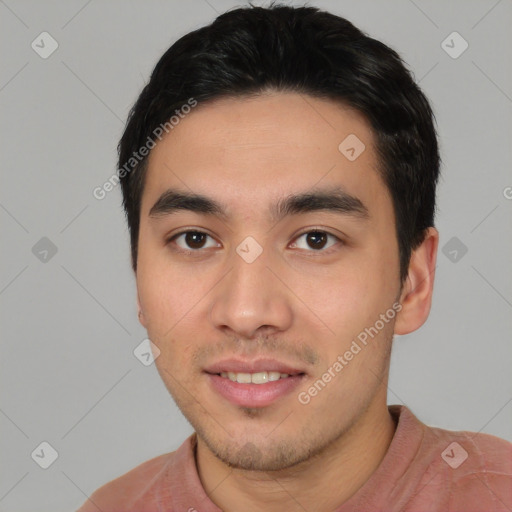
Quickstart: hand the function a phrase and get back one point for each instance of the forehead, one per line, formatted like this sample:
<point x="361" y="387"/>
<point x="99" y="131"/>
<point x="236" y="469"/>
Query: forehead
<point x="250" y="152"/>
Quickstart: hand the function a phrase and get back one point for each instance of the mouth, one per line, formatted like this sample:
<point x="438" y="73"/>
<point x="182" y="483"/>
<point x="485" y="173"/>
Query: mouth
<point x="257" y="377"/>
<point x="253" y="384"/>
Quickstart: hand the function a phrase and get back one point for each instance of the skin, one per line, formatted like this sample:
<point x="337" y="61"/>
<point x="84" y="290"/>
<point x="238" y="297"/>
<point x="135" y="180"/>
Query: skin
<point x="294" y="303"/>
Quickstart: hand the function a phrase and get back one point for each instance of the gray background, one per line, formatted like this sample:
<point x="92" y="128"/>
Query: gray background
<point x="69" y="325"/>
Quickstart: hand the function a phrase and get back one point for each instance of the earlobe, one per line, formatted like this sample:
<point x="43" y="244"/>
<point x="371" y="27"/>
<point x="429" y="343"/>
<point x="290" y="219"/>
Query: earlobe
<point x="416" y="296"/>
<point x="142" y="319"/>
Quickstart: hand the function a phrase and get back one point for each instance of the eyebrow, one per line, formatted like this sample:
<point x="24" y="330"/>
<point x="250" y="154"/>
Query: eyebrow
<point x="331" y="199"/>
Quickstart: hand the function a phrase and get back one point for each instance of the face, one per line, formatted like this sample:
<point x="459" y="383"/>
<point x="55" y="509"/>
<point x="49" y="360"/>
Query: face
<point x="249" y="281"/>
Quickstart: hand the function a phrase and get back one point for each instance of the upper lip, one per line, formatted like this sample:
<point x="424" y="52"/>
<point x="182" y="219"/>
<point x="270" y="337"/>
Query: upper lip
<point x="258" y="365"/>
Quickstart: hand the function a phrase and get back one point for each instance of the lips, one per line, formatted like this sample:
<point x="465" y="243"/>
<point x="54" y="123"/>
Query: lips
<point x="254" y="395"/>
<point x="252" y="385"/>
<point x="256" y="366"/>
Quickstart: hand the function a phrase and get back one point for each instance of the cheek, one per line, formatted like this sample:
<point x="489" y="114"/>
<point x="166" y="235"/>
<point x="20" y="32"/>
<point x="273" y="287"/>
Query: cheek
<point x="172" y="298"/>
<point x="344" y="301"/>
<point x="159" y="283"/>
<point x="342" y="295"/>
<point x="156" y="298"/>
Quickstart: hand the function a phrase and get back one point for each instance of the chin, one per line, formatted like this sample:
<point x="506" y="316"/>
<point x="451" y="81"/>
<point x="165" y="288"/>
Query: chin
<point x="250" y="457"/>
<point x="259" y="452"/>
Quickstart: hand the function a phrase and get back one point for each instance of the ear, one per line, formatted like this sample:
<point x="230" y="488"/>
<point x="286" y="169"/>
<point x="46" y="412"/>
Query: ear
<point x="142" y="318"/>
<point x="416" y="296"/>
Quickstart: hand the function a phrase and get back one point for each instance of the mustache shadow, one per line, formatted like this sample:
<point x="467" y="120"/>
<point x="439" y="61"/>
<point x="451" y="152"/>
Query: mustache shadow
<point x="250" y="349"/>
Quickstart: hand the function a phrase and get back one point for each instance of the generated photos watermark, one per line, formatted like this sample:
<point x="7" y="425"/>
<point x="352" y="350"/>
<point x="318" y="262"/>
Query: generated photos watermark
<point x="342" y="361"/>
<point x="101" y="192"/>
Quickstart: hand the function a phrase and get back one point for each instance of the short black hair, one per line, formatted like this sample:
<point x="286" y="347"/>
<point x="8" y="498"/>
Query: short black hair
<point x="251" y="50"/>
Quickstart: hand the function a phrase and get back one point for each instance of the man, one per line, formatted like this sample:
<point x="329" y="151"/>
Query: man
<point x="279" y="176"/>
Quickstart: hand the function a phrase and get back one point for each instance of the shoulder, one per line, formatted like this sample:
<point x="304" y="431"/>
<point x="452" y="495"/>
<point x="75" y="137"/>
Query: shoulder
<point x="472" y="451"/>
<point x="485" y="482"/>
<point x="473" y="469"/>
<point x="129" y="489"/>
<point x="451" y="471"/>
<point x="460" y="450"/>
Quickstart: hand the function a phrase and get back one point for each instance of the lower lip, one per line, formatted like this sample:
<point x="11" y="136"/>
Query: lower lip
<point x="254" y="395"/>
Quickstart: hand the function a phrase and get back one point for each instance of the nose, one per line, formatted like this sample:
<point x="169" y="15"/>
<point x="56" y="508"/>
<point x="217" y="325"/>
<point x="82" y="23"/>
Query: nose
<point x="252" y="298"/>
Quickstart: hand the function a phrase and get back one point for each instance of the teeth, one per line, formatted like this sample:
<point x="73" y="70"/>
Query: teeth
<point x="259" y="378"/>
<point x="243" y="378"/>
<point x="254" y="378"/>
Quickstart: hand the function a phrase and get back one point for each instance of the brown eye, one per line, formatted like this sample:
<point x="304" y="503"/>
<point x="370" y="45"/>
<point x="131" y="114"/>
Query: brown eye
<point x="195" y="239"/>
<point x="191" y="240"/>
<point x="316" y="240"/>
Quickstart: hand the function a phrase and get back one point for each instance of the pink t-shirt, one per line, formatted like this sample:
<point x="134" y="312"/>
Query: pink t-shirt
<point x="424" y="469"/>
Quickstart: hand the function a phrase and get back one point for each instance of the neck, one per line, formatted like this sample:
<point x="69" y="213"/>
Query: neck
<point x="322" y="483"/>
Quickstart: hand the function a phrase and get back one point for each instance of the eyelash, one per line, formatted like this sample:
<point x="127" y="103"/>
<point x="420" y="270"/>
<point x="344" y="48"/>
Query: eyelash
<point x="198" y="251"/>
